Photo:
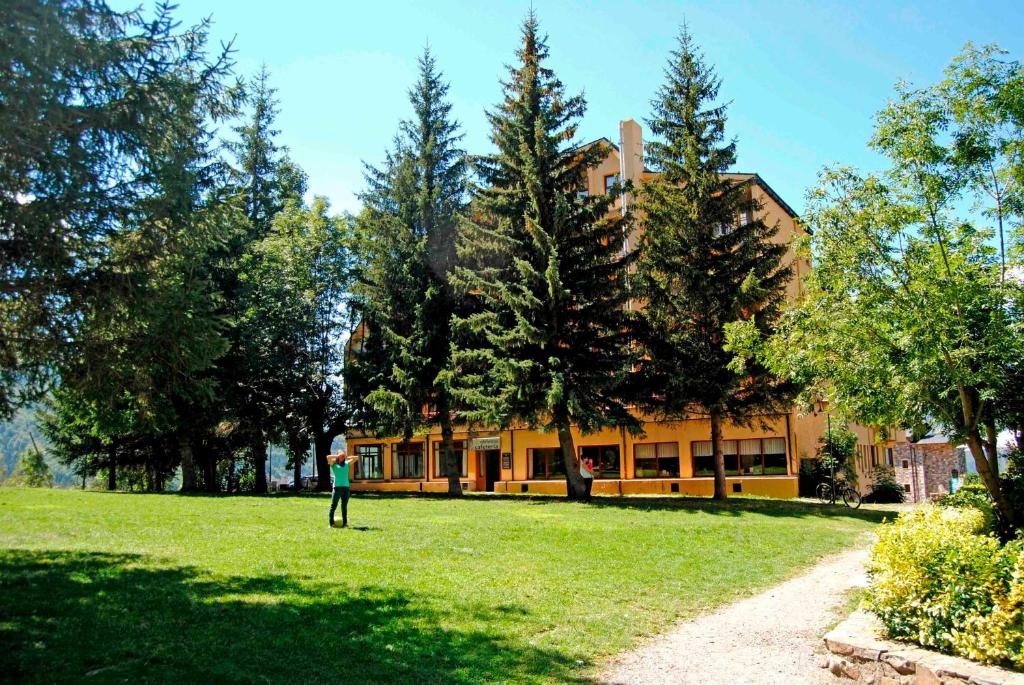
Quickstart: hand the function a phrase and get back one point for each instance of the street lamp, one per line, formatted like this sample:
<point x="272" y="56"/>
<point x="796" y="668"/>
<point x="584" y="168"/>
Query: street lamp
<point x="822" y="405"/>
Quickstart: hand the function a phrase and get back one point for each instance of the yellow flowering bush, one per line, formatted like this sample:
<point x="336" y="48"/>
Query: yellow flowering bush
<point x="998" y="636"/>
<point x="940" y="580"/>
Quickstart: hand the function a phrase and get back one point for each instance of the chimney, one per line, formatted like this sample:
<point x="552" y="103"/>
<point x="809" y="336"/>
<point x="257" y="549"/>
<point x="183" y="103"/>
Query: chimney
<point x="631" y="150"/>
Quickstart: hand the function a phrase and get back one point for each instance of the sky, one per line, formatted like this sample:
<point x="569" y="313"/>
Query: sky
<point x="804" y="79"/>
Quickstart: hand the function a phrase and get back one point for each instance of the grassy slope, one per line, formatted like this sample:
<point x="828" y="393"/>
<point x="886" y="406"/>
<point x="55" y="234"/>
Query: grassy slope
<point x="245" y="589"/>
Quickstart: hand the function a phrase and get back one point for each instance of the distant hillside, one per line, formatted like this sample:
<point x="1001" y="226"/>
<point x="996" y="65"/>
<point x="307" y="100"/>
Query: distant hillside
<point x="16" y="437"/>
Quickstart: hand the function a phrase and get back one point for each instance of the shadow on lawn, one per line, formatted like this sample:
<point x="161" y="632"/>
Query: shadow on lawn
<point x="733" y="506"/>
<point x="97" y="618"/>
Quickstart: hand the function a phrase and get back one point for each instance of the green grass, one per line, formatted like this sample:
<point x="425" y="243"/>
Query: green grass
<point x="98" y="587"/>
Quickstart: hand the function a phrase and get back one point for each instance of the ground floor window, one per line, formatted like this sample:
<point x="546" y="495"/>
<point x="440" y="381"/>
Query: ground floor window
<point x="704" y="458"/>
<point x="605" y="459"/>
<point x="371" y="461"/>
<point x="754" y="457"/>
<point x="460" y="455"/>
<point x="656" y="460"/>
<point x="407" y="460"/>
<point x="546" y="462"/>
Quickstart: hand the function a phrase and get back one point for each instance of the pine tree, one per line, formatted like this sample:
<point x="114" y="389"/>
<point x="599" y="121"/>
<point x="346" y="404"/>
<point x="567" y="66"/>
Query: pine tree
<point x="408" y="250"/>
<point x="542" y="264"/>
<point x="706" y="260"/>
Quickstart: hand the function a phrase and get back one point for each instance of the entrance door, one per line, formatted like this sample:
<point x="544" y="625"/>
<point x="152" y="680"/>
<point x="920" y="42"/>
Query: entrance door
<point x="492" y="461"/>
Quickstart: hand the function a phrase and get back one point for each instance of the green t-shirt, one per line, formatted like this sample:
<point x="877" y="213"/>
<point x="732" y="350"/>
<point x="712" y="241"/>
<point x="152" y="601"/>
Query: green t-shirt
<point x="340" y="472"/>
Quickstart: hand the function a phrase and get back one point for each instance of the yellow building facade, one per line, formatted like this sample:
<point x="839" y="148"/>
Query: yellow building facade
<point x="666" y="458"/>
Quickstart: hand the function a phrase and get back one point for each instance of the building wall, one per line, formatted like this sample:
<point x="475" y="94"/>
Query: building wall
<point x="801" y="432"/>
<point x="924" y="470"/>
<point x="518" y="444"/>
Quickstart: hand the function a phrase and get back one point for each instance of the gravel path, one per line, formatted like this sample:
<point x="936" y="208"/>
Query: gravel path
<point x="771" y="638"/>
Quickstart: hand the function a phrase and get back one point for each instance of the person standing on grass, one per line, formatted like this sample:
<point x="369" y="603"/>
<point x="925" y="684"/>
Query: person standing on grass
<point x="342" y="485"/>
<point x="587" y="471"/>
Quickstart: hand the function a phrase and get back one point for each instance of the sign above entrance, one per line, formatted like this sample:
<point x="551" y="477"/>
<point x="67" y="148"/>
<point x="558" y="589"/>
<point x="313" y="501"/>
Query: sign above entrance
<point x="493" y="443"/>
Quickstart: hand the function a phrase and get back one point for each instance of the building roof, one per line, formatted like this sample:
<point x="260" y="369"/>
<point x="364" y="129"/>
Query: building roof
<point x="934" y="439"/>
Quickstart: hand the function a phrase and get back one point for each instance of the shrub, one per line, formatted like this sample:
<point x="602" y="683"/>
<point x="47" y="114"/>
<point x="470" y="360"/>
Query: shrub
<point x="884" y="488"/>
<point x="972" y="495"/>
<point x="998" y="635"/>
<point x="939" y="579"/>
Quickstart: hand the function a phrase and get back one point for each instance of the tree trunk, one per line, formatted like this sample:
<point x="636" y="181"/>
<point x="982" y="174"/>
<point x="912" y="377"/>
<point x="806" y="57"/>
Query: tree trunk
<point x="986" y="460"/>
<point x="452" y="467"/>
<point x="721" y="492"/>
<point x="209" y="460"/>
<point x="259" y="462"/>
<point x="111" y="468"/>
<point x="188" y="465"/>
<point x="322" y="447"/>
<point x="575" y="488"/>
<point x="297" y="447"/>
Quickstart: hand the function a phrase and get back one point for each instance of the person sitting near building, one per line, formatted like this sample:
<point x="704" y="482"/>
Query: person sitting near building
<point x="587" y="471"/>
<point x="342" y="485"/>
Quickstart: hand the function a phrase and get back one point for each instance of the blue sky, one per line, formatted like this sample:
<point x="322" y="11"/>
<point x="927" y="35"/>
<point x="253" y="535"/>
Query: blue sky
<point x="804" y="78"/>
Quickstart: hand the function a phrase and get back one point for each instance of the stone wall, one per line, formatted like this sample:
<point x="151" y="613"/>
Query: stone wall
<point x="857" y="652"/>
<point x="929" y="468"/>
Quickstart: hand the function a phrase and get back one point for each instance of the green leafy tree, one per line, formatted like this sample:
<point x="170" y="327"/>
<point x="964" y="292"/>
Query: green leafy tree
<point x="407" y="253"/>
<point x="838" y="449"/>
<point x="541" y="264"/>
<point x="706" y="261"/>
<point x="297" y="282"/>
<point x="910" y="315"/>
<point x="32" y="470"/>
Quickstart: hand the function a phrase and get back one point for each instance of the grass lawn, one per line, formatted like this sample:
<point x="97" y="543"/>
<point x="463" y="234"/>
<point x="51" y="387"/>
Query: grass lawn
<point x="98" y="587"/>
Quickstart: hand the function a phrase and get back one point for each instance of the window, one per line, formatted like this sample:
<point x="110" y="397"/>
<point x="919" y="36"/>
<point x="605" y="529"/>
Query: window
<point x="906" y="464"/>
<point x="755" y="457"/>
<point x="371" y="462"/>
<point x="609" y="181"/>
<point x="460" y="453"/>
<point x="656" y="460"/>
<point x="546" y="462"/>
<point x="582" y="193"/>
<point x="704" y="459"/>
<point x="888" y="456"/>
<point x="744" y="218"/>
<point x="906" y="487"/>
<point x="774" y="454"/>
<point x="407" y="460"/>
<point x="605" y="458"/>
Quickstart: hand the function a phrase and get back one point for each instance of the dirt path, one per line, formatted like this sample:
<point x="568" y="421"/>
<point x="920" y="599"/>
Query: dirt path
<point x="771" y="638"/>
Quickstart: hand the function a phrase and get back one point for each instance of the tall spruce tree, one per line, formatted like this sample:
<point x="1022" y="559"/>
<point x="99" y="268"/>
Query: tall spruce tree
<point x="265" y="180"/>
<point x="542" y="263"/>
<point x="407" y="250"/>
<point x="706" y="260"/>
<point x="103" y="136"/>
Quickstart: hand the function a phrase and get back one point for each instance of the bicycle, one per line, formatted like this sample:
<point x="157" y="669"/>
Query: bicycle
<point x="850" y="496"/>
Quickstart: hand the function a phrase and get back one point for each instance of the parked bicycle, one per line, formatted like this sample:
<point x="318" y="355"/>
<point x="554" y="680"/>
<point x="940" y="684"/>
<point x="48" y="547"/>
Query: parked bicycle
<point x="829" y="493"/>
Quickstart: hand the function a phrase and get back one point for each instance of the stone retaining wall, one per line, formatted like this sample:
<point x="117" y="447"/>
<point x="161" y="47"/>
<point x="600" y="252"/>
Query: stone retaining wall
<point x="857" y="652"/>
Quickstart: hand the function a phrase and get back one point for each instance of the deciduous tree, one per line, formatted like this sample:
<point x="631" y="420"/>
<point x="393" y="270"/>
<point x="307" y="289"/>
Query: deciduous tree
<point x="913" y="311"/>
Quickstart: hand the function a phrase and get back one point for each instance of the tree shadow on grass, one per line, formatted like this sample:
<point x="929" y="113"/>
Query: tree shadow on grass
<point x="98" y="618"/>
<point x="733" y="506"/>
